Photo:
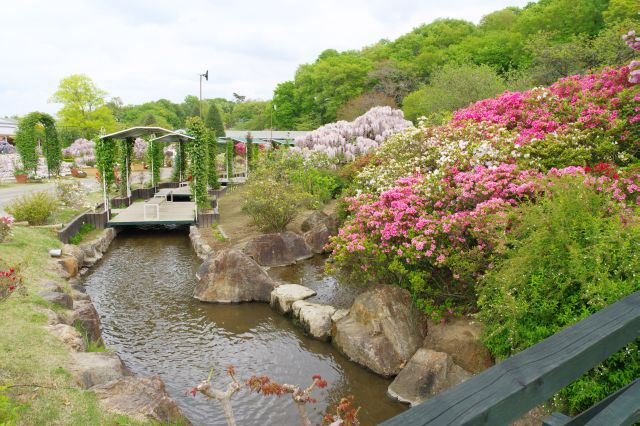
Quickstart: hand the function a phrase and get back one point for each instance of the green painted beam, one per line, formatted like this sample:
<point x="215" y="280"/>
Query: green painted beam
<point x="508" y="390"/>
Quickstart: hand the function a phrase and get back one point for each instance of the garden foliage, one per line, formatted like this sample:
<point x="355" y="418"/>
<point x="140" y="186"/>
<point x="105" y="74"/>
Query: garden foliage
<point x="570" y="255"/>
<point x="34" y="207"/>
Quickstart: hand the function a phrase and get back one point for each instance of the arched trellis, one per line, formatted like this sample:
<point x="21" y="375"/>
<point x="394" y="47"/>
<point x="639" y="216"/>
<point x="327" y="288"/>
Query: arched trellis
<point x="126" y="140"/>
<point x="27" y="141"/>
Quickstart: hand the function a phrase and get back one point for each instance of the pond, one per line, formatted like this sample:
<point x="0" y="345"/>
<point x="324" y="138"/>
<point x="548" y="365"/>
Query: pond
<point x="143" y="289"/>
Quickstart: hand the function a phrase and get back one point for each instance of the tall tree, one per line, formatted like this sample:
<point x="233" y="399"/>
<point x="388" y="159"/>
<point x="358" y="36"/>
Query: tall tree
<point x="84" y="105"/>
<point x="213" y="121"/>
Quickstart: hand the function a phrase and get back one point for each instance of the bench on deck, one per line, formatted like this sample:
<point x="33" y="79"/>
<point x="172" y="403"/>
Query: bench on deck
<point x="155" y="202"/>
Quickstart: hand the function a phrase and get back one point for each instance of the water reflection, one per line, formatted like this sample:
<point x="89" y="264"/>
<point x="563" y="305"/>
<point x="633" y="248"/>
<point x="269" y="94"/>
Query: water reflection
<point x="142" y="290"/>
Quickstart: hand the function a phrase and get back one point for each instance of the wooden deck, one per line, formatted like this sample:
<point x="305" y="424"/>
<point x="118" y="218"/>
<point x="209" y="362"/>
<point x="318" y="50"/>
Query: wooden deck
<point x="165" y="213"/>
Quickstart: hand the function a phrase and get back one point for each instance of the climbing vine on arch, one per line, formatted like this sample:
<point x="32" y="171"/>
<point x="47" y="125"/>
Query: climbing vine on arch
<point x="28" y="136"/>
<point x="198" y="153"/>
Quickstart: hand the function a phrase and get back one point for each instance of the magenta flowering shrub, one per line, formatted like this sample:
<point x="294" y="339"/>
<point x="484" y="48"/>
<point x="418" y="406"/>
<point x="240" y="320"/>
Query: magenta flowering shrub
<point x="437" y="236"/>
<point x="586" y="102"/>
<point x="240" y="148"/>
<point x="82" y="151"/>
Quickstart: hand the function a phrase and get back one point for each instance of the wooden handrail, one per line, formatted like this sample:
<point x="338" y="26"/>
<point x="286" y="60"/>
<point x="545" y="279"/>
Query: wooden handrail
<point x="508" y="390"/>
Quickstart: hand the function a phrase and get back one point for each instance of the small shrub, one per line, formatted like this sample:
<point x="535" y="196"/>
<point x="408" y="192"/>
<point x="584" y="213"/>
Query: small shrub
<point x="570" y="256"/>
<point x="70" y="193"/>
<point x="273" y="204"/>
<point x="5" y="228"/>
<point x="35" y="207"/>
<point x="85" y="228"/>
<point x="10" y="282"/>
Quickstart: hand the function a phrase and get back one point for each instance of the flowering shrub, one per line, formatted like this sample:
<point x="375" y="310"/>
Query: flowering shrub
<point x="6" y="147"/>
<point x="437" y="235"/>
<point x="70" y="193"/>
<point x="140" y="147"/>
<point x="10" y="282"/>
<point x="82" y="151"/>
<point x="344" y="141"/>
<point x="5" y="227"/>
<point x="580" y="120"/>
<point x="240" y="149"/>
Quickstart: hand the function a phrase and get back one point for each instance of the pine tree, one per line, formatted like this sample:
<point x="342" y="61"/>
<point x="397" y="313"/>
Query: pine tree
<point x="214" y="121"/>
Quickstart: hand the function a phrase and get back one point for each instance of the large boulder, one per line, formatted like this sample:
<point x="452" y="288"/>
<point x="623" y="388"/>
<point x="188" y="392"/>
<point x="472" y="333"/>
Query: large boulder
<point x="269" y="250"/>
<point x="320" y="218"/>
<point x="58" y="298"/>
<point x="74" y="251"/>
<point x="231" y="276"/>
<point x="382" y="331"/>
<point x="297" y="246"/>
<point x="69" y="266"/>
<point x="318" y="238"/>
<point x="460" y="338"/>
<point x="88" y="318"/>
<point x="427" y="374"/>
<point x="69" y="336"/>
<point x="283" y="297"/>
<point x="141" y="398"/>
<point x="95" y="368"/>
<point x="314" y="318"/>
<point x="277" y="249"/>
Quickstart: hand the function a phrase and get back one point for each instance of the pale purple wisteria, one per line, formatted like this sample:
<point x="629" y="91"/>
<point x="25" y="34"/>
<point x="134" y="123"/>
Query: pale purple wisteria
<point x="9" y="163"/>
<point x="344" y="141"/>
<point x="82" y="151"/>
<point x="6" y="147"/>
<point x="140" y="149"/>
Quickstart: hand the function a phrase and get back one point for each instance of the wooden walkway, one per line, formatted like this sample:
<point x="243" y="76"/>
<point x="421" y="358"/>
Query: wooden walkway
<point x="165" y="213"/>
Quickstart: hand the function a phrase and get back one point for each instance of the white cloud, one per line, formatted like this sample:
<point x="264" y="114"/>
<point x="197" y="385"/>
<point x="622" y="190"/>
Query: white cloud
<point x="142" y="50"/>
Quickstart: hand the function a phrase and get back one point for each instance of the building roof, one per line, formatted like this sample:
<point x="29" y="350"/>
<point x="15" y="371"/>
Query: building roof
<point x="267" y="134"/>
<point x="8" y="127"/>
<point x="136" y="132"/>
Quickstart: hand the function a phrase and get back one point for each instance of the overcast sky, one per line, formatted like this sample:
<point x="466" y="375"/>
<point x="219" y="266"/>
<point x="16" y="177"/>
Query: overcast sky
<point x="143" y="50"/>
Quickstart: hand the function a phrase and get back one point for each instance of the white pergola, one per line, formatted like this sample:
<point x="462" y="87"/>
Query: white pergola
<point x="136" y="132"/>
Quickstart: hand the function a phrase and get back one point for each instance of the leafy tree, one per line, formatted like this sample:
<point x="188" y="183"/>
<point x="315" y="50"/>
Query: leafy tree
<point x="392" y="81"/>
<point x="287" y="111"/>
<point x="551" y="61"/>
<point x="357" y="106"/>
<point x="619" y="11"/>
<point x="564" y="18"/>
<point x="500" y="20"/>
<point x="452" y="87"/>
<point x="214" y="121"/>
<point x="83" y="105"/>
<point x="251" y="115"/>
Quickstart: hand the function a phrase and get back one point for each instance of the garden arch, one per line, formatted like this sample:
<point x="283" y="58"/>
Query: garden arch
<point x="27" y="139"/>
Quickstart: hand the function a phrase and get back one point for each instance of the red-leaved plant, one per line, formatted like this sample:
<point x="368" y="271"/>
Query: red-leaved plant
<point x="345" y="412"/>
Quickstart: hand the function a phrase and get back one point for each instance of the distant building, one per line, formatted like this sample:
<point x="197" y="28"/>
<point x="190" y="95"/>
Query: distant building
<point x="8" y="127"/>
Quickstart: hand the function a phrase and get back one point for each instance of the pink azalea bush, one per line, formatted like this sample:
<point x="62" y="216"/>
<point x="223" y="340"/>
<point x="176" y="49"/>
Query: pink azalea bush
<point x="580" y="120"/>
<point x="437" y="236"/>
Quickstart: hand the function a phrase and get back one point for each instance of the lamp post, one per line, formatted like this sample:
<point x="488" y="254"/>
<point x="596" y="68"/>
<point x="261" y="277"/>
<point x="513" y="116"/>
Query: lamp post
<point x="206" y="77"/>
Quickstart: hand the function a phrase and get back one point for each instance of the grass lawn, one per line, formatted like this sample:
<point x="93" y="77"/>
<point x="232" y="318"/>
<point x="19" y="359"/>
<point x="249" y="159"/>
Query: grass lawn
<point x="29" y="355"/>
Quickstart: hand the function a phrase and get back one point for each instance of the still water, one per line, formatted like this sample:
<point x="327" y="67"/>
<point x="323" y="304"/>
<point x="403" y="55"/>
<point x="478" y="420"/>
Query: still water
<point x="142" y="289"/>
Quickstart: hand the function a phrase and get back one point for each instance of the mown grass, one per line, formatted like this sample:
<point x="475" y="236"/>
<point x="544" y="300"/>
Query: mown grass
<point x="35" y="386"/>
